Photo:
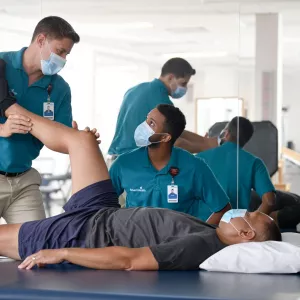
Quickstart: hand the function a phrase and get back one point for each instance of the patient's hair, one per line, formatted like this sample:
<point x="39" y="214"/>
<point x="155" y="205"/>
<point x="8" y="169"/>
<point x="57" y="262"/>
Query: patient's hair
<point x="175" y="120"/>
<point x="240" y="130"/>
<point x="271" y="232"/>
<point x="55" y="28"/>
<point x="179" y="67"/>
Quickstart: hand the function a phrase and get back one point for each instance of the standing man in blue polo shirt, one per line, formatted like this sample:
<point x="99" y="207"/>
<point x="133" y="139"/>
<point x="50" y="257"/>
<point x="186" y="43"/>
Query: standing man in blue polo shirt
<point x="31" y="74"/>
<point x="161" y="175"/>
<point x="144" y="97"/>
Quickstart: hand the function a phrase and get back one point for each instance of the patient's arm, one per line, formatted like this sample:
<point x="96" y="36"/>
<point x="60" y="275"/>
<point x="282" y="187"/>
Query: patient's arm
<point x="109" y="258"/>
<point x="87" y="163"/>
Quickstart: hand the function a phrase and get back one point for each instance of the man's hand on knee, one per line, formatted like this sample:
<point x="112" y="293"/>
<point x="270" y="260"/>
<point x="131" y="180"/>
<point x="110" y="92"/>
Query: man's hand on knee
<point x="87" y="129"/>
<point x="15" y="124"/>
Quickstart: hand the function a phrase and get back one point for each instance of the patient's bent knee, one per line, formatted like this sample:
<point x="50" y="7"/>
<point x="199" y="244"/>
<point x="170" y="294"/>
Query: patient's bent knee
<point x="86" y="137"/>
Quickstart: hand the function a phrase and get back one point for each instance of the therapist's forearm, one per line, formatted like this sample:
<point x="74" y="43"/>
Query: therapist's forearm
<point x="195" y="143"/>
<point x="52" y="134"/>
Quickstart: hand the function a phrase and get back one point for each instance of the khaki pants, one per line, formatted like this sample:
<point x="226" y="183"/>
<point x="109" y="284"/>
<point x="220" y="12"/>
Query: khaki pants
<point x="20" y="198"/>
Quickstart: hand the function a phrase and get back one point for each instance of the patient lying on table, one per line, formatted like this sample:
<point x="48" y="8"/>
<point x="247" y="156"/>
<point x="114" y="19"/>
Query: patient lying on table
<point x="95" y="232"/>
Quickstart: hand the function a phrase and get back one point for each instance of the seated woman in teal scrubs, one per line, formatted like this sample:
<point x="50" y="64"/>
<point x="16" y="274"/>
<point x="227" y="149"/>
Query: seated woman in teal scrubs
<point x="156" y="170"/>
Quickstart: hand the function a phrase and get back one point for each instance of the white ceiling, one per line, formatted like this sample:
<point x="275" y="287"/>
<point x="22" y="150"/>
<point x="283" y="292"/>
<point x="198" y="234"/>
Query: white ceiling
<point x="149" y="31"/>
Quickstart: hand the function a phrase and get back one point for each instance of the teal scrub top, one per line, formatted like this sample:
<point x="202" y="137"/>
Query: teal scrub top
<point x="199" y="193"/>
<point x="137" y="103"/>
<point x="253" y="173"/>
<point x="19" y="150"/>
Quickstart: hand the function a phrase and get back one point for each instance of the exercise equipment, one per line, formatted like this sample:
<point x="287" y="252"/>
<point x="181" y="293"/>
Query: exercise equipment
<point x="72" y="282"/>
<point x="263" y="144"/>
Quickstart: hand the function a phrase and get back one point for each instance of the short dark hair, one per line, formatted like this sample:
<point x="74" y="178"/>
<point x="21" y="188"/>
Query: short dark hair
<point x="175" y="120"/>
<point x="240" y="130"/>
<point x="55" y="28"/>
<point x="179" y="67"/>
<point x="271" y="233"/>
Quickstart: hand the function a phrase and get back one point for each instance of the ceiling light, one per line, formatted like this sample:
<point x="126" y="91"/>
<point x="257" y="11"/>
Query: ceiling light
<point x="110" y="26"/>
<point x="195" y="54"/>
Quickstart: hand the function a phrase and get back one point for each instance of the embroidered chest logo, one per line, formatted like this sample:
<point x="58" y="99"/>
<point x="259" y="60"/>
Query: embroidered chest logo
<point x="13" y="92"/>
<point x="140" y="190"/>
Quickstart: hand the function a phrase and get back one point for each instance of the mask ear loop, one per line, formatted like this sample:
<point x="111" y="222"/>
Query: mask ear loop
<point x="46" y="41"/>
<point x="234" y="227"/>
<point x="156" y="134"/>
<point x="245" y="221"/>
<point x="249" y="224"/>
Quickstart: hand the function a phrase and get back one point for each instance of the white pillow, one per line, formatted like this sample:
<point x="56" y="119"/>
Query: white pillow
<point x="255" y="257"/>
<point x="291" y="237"/>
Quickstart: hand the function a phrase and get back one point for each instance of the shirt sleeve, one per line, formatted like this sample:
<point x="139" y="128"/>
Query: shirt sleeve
<point x="208" y="187"/>
<point x="115" y="176"/>
<point x="261" y="179"/>
<point x="184" y="253"/>
<point x="63" y="114"/>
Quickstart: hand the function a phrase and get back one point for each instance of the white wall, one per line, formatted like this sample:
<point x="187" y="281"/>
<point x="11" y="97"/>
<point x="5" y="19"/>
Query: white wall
<point x="291" y="98"/>
<point x="210" y="82"/>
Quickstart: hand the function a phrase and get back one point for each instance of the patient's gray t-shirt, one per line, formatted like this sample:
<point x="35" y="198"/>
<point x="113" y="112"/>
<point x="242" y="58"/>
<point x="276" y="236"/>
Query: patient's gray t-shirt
<point x="178" y="241"/>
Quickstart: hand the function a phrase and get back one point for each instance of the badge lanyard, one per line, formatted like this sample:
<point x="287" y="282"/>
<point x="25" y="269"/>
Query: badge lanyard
<point x="49" y="90"/>
<point x="174" y="171"/>
<point x="48" y="107"/>
<point x="172" y="190"/>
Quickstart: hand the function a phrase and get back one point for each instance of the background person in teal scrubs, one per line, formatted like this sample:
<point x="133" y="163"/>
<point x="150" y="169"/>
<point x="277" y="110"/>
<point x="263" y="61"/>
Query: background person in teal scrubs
<point x="29" y="73"/>
<point x="253" y="173"/>
<point x="141" y="99"/>
<point x="145" y="173"/>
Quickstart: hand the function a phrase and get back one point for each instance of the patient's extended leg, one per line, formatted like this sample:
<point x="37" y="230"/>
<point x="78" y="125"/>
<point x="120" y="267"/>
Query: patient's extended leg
<point x="87" y="163"/>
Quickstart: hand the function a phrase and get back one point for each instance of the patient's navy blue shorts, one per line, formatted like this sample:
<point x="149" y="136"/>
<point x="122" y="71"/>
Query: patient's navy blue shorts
<point x="67" y="230"/>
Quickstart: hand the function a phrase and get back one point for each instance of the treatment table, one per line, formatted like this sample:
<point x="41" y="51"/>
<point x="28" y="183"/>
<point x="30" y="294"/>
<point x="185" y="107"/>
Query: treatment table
<point x="67" y="281"/>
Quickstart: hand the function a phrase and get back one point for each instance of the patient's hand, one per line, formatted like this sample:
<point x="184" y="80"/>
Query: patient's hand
<point x="42" y="258"/>
<point x="87" y="129"/>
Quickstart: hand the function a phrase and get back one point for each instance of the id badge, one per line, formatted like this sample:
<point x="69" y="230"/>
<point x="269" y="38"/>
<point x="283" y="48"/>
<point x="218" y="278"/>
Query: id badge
<point x="172" y="194"/>
<point x="48" y="110"/>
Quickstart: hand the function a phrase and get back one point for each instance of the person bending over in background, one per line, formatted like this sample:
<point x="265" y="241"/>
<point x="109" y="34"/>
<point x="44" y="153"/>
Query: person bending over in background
<point x="121" y="239"/>
<point x="149" y="174"/>
<point x="140" y="99"/>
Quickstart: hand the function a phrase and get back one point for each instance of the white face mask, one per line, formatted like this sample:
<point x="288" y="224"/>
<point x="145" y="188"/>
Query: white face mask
<point x="143" y="133"/>
<point x="221" y="137"/>
<point x="235" y="213"/>
<point x="53" y="64"/>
